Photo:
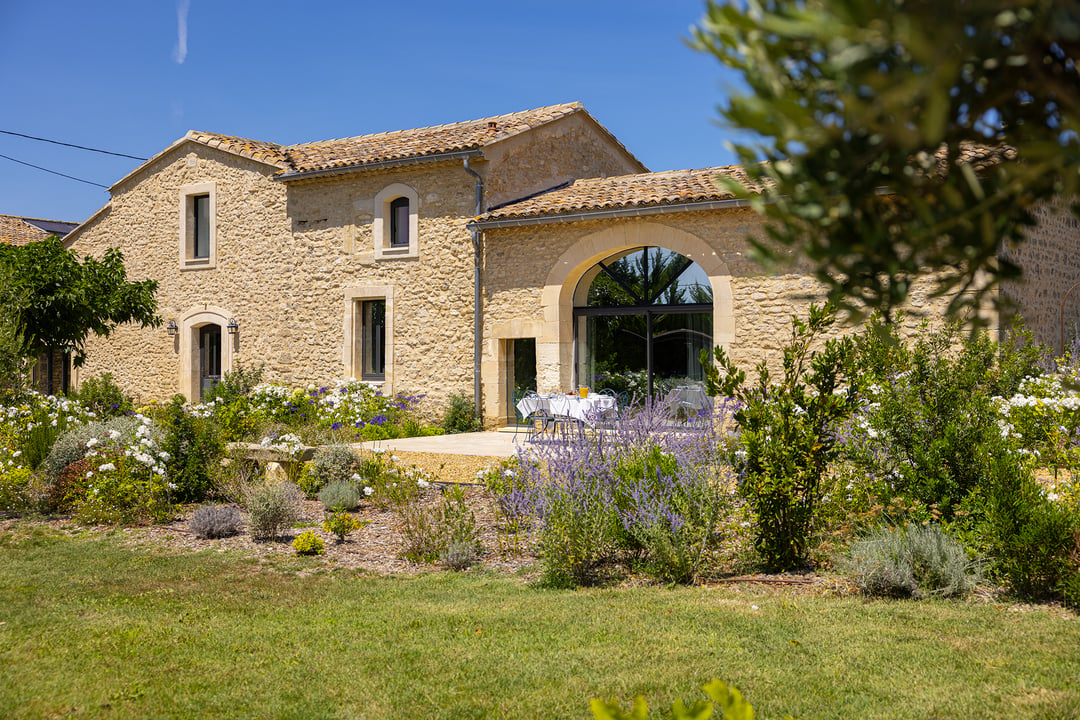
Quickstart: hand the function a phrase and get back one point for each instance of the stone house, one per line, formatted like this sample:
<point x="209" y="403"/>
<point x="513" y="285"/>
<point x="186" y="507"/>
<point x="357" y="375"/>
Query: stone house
<point x="524" y="250"/>
<point x="52" y="371"/>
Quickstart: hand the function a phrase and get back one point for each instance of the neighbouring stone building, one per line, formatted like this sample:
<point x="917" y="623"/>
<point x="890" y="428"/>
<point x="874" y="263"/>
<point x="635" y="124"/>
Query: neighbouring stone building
<point x="52" y="371"/>
<point x="529" y="250"/>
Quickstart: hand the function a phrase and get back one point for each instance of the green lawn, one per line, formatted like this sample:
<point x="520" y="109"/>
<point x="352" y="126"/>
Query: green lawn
<point x="92" y="629"/>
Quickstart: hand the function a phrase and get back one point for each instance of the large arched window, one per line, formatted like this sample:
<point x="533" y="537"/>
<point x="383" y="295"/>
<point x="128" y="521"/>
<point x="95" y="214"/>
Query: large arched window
<point x="641" y="320"/>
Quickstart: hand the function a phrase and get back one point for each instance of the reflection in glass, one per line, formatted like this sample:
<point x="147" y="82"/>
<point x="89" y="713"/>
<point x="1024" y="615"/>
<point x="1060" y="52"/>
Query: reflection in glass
<point x="647" y="317"/>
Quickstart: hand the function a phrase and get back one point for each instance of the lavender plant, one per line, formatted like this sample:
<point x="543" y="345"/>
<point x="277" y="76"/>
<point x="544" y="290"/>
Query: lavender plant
<point x="640" y="489"/>
<point x="215" y="521"/>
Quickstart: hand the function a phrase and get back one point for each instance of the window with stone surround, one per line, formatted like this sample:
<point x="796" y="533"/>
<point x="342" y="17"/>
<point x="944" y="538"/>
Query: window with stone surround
<point x="369" y="334"/>
<point x="198" y="226"/>
<point x="373" y="340"/>
<point x="395" y="223"/>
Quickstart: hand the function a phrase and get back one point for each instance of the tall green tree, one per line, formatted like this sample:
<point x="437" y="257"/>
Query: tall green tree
<point x="14" y="365"/>
<point x="61" y="300"/>
<point x="901" y="136"/>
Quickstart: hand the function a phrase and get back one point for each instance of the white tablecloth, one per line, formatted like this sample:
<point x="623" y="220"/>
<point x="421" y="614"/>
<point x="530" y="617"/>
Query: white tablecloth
<point x="567" y="406"/>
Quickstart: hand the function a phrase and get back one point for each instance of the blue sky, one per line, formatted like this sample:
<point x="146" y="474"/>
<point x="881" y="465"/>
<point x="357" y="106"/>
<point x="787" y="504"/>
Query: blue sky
<point x="132" y="76"/>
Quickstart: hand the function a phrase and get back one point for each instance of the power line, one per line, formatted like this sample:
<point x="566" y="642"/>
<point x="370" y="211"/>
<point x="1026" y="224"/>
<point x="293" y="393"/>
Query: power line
<point x="69" y="177"/>
<point x="80" y="147"/>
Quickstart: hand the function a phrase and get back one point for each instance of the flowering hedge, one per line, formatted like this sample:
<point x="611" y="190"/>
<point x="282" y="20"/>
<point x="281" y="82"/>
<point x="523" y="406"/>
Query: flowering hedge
<point x="347" y="405"/>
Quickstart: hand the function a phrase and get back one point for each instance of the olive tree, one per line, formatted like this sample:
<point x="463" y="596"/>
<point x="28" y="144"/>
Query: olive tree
<point x="902" y="136"/>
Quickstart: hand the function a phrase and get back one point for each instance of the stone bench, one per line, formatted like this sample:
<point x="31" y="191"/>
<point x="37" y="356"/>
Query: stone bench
<point x="275" y="463"/>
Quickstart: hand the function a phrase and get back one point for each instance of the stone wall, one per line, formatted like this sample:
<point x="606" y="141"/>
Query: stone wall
<point x="1050" y="258"/>
<point x="525" y="266"/>
<point x="292" y="257"/>
<point x="286" y="256"/>
<point x="568" y="149"/>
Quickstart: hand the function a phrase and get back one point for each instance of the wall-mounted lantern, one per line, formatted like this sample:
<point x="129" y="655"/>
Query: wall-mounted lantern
<point x="233" y="327"/>
<point x="172" y="328"/>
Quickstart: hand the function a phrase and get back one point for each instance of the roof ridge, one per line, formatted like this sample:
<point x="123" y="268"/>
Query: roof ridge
<point x="654" y="173"/>
<point x="688" y="188"/>
<point x="24" y="217"/>
<point x="568" y="108"/>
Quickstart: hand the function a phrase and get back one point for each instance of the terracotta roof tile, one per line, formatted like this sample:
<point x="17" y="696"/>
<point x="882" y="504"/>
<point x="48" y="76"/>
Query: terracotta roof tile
<point x="255" y="149"/>
<point x="436" y="140"/>
<point x="20" y="231"/>
<point x="388" y="146"/>
<point x="675" y="187"/>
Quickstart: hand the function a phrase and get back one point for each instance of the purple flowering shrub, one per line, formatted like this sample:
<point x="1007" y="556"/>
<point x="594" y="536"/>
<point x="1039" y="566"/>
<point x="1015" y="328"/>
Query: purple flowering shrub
<point x="641" y="490"/>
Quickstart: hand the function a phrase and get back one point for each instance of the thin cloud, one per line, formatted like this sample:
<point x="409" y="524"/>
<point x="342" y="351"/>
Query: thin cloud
<point x="180" y="53"/>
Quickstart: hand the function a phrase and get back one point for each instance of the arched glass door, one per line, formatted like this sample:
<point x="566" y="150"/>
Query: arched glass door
<point x="641" y="320"/>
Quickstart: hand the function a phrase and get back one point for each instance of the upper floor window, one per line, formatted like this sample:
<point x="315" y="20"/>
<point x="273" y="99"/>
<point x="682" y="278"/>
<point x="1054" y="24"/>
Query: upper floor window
<point x="198" y="226"/>
<point x="201" y="239"/>
<point x="399" y="222"/>
<point x="395" y="223"/>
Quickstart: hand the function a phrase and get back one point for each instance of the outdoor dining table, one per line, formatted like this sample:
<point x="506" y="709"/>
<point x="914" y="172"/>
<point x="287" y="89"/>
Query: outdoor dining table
<point x="689" y="398"/>
<point x="575" y="407"/>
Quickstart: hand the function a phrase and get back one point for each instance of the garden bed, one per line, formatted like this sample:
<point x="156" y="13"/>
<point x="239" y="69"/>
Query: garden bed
<point x="376" y="548"/>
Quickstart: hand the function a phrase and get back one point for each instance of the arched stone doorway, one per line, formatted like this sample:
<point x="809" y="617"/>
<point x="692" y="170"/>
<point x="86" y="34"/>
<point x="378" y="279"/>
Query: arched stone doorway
<point x="206" y="351"/>
<point x="555" y="350"/>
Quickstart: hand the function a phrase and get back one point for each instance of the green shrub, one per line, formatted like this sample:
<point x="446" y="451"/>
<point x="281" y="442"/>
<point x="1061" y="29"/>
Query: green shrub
<point x="1032" y="541"/>
<point x="910" y="561"/>
<point x="232" y="476"/>
<point x="576" y="536"/>
<point x="340" y="495"/>
<point x="118" y="489"/>
<point x="931" y="421"/>
<point x="215" y="521"/>
<point x="39" y="440"/>
<point x="461" y="415"/>
<point x="103" y="397"/>
<point x="71" y="445"/>
<point x="646" y="480"/>
<point x="391" y="486"/>
<point x="330" y="464"/>
<point x="230" y="405"/>
<point x="341" y="524"/>
<point x="194" y="448"/>
<point x="460" y="537"/>
<point x="371" y="433"/>
<point x="235" y="384"/>
<point x="424" y="539"/>
<point x="18" y="495"/>
<point x="308" y="543"/>
<point x="272" y="507"/>
<point x="787" y="434"/>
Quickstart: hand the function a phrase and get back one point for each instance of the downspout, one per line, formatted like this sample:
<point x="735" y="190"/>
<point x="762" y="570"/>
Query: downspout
<point x="477" y="261"/>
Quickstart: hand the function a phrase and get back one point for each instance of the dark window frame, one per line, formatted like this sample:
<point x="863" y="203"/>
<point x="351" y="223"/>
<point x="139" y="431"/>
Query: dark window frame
<point x="373" y="332"/>
<point x="400" y="210"/>
<point x="200" y="232"/>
